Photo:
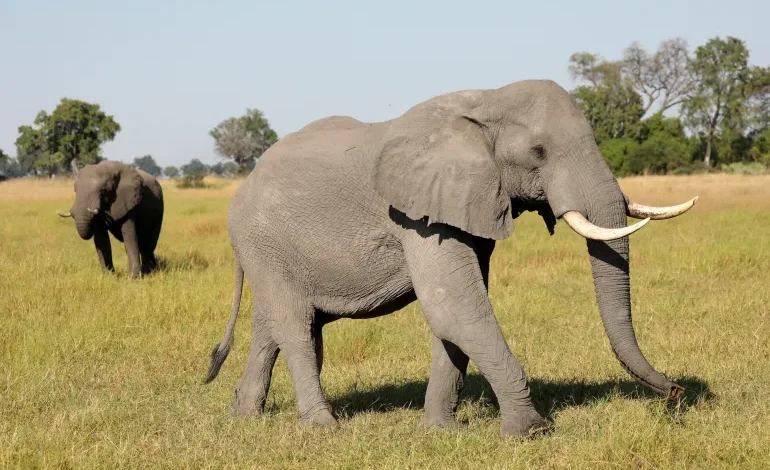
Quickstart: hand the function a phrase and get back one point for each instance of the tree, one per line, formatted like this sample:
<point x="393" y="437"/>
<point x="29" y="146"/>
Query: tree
<point x="29" y="148"/>
<point x="147" y="163"/>
<point x="592" y="68"/>
<point x="171" y="171"/>
<point x="662" y="77"/>
<point x="9" y="167"/>
<point x="612" y="108"/>
<point x="5" y="161"/>
<point x="663" y="147"/>
<point x="232" y="139"/>
<point x="257" y="124"/>
<point x="195" y="167"/>
<point x="760" y="147"/>
<point x="75" y="131"/>
<point x="759" y="101"/>
<point x="724" y="86"/>
<point x="224" y="169"/>
<point x="608" y="101"/>
<point x="243" y="139"/>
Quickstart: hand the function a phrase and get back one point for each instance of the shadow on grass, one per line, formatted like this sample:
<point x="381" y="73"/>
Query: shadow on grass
<point x="549" y="397"/>
<point x="189" y="261"/>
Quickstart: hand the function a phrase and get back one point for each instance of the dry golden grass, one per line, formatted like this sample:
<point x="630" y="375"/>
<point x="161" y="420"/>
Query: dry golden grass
<point x="104" y="372"/>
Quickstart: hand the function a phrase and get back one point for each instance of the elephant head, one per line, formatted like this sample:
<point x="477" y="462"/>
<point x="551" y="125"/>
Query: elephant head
<point x="105" y="192"/>
<point x="477" y="159"/>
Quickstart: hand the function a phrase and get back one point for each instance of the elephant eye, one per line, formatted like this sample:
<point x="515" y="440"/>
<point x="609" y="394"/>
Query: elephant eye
<point x="538" y="151"/>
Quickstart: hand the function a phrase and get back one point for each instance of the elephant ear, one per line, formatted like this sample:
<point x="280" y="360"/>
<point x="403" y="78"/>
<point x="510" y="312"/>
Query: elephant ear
<point x="128" y="192"/>
<point x="435" y="161"/>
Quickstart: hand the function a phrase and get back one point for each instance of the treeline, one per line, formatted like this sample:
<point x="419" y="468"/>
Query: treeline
<point x="665" y="111"/>
<point x="73" y="134"/>
<point x="672" y="111"/>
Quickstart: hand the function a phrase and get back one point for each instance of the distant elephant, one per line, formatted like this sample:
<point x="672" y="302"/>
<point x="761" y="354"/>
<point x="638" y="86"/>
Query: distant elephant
<point x="344" y="219"/>
<point x="127" y="202"/>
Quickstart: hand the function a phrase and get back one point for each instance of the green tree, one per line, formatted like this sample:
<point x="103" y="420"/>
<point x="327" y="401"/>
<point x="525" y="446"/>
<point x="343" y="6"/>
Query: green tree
<point x="616" y="153"/>
<point x="6" y="166"/>
<point x="664" y="147"/>
<point x="760" y="147"/>
<point x="258" y="125"/>
<point x="147" y="163"/>
<point x="243" y="139"/>
<point x="195" y="168"/>
<point x="608" y="101"/>
<point x="725" y="84"/>
<point x="593" y="69"/>
<point x="225" y="169"/>
<point x="30" y="147"/>
<point x="73" y="132"/>
<point x="759" y="101"/>
<point x="614" y="109"/>
<point x="171" y="171"/>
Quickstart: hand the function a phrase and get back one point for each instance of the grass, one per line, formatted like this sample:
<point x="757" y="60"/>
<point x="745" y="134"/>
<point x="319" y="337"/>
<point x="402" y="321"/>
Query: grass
<point x="103" y="372"/>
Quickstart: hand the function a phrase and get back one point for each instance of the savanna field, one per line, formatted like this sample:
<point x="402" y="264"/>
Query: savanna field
<point x="99" y="371"/>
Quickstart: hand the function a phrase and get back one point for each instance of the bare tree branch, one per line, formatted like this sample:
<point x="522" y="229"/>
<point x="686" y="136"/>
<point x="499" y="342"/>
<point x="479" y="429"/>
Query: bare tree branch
<point x="662" y="78"/>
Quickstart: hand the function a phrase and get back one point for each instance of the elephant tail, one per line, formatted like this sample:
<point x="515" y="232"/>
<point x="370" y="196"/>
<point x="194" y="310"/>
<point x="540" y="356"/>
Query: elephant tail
<point x="221" y="350"/>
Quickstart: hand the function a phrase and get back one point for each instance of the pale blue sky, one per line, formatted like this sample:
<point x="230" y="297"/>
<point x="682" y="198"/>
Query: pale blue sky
<point x="170" y="70"/>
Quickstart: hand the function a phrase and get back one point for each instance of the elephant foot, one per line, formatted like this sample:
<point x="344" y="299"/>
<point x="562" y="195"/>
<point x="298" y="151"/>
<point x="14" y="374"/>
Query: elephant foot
<point x="443" y="425"/>
<point x="321" y="419"/>
<point x="436" y="421"/>
<point x="244" y="405"/>
<point x="525" y="424"/>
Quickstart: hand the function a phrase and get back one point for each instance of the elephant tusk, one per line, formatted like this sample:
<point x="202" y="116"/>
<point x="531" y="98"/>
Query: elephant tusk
<point x="640" y="211"/>
<point x="68" y="214"/>
<point x="93" y="211"/>
<point x="583" y="227"/>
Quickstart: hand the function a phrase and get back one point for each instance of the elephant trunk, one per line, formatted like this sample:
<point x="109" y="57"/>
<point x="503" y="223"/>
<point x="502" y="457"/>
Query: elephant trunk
<point x="83" y="225"/>
<point x="84" y="214"/>
<point x="584" y="192"/>
<point x="610" y="268"/>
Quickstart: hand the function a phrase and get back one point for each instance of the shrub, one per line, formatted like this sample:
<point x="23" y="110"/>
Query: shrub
<point x="745" y="168"/>
<point x="191" y="181"/>
<point x="616" y="153"/>
<point x="661" y="153"/>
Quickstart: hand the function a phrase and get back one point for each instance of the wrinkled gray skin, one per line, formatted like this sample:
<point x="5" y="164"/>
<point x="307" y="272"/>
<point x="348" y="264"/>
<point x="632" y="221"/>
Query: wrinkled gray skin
<point x="124" y="201"/>
<point x="351" y="219"/>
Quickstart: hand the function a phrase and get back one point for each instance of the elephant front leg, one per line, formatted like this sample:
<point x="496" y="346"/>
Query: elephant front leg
<point x="447" y="374"/>
<point x="149" y="263"/>
<point x="103" y="248"/>
<point x="450" y="288"/>
<point x="131" y="242"/>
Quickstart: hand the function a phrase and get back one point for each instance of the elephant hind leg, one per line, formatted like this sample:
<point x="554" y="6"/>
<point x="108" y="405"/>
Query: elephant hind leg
<point x="252" y="389"/>
<point x="299" y="339"/>
<point x="447" y="374"/>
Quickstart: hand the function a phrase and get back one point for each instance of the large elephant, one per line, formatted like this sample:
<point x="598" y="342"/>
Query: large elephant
<point x="127" y="202"/>
<point x="356" y="220"/>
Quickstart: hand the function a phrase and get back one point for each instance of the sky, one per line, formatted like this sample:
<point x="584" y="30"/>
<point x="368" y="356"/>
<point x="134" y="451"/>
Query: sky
<point x="169" y="71"/>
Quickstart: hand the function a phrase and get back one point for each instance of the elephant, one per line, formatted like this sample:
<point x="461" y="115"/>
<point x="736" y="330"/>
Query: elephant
<point x="117" y="198"/>
<point x="346" y="219"/>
